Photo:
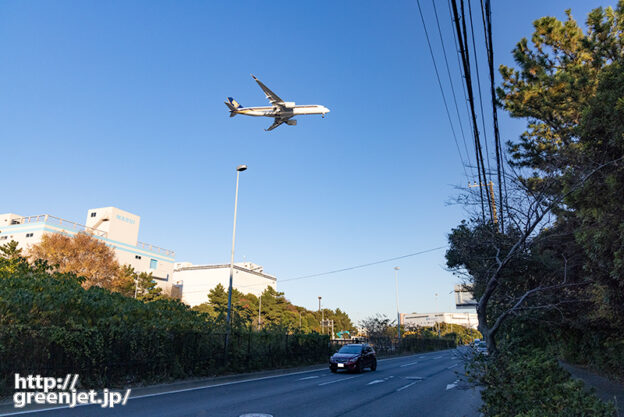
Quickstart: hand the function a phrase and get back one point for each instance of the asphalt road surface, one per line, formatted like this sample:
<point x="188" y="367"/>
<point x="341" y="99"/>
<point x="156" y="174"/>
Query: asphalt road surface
<point x="419" y="385"/>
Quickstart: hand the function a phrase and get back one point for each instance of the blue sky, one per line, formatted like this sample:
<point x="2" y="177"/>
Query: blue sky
<point x="120" y="103"/>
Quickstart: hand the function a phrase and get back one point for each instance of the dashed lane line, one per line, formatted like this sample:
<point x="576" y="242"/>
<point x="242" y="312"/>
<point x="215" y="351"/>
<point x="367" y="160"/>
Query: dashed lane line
<point x="406" y="386"/>
<point x="337" y="380"/>
<point x="377" y="381"/>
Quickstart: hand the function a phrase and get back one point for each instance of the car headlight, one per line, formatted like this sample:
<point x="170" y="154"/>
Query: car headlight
<point x="353" y="360"/>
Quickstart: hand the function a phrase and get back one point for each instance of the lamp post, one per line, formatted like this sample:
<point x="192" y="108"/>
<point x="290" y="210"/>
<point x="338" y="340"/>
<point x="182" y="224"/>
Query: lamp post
<point x="259" y="310"/>
<point x="322" y="318"/>
<point x="239" y="169"/>
<point x="396" y="284"/>
<point x="437" y="323"/>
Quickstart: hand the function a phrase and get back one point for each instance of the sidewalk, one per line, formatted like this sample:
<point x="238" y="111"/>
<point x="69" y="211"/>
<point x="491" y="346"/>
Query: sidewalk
<point x="606" y="389"/>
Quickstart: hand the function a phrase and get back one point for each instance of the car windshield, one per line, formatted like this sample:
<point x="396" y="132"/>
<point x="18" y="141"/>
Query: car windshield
<point x="350" y="349"/>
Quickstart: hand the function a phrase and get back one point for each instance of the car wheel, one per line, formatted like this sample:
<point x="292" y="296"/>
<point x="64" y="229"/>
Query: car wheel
<point x="358" y="368"/>
<point x="374" y="365"/>
<point x="334" y="370"/>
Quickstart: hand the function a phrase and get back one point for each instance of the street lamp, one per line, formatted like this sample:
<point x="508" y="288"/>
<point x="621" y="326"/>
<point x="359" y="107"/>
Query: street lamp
<point x="437" y="323"/>
<point x="396" y="284"/>
<point x="322" y="314"/>
<point x="239" y="169"/>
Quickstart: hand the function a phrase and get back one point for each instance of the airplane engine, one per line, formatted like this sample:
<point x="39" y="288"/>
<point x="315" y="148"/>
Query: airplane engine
<point x="289" y="104"/>
<point x="291" y="122"/>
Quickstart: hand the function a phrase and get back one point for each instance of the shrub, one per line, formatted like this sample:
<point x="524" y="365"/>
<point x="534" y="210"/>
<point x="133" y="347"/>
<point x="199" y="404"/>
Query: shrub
<point x="531" y="384"/>
<point x="51" y="325"/>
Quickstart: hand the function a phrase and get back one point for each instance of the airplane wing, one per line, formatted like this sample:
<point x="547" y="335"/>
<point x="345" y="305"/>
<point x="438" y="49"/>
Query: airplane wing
<point x="275" y="124"/>
<point x="279" y="120"/>
<point x="273" y="98"/>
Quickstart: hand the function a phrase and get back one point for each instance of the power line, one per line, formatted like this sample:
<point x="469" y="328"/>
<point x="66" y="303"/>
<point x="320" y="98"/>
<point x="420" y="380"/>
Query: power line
<point x="474" y="49"/>
<point x="335" y="271"/>
<point x="364" y="265"/>
<point x="448" y="71"/>
<point x="500" y="166"/>
<point x="462" y="38"/>
<point x="459" y="65"/>
<point x="448" y="114"/>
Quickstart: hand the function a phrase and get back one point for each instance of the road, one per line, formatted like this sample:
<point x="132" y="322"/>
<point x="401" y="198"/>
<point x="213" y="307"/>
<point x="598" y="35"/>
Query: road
<point x="418" y="385"/>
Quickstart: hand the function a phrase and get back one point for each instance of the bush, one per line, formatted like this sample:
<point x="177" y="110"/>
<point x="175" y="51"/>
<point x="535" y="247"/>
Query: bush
<point x="532" y="384"/>
<point x="51" y="325"/>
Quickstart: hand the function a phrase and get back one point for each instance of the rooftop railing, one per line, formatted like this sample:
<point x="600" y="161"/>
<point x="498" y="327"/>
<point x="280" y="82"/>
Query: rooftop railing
<point x="77" y="227"/>
<point x="65" y="224"/>
<point x="155" y="249"/>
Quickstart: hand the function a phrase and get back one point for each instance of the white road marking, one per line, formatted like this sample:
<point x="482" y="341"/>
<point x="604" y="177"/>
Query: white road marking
<point x="438" y="357"/>
<point x="418" y="378"/>
<point x="405" y="386"/>
<point x="450" y="367"/>
<point x="377" y="381"/>
<point x="451" y="386"/>
<point x="307" y="377"/>
<point x="408" y="364"/>
<point x="337" y="380"/>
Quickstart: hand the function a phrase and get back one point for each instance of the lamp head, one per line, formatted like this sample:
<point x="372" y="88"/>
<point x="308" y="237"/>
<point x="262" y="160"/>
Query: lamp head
<point x="241" y="168"/>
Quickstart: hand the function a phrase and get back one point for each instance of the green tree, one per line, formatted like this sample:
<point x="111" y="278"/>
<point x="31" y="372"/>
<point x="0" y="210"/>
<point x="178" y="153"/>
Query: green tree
<point x="569" y="85"/>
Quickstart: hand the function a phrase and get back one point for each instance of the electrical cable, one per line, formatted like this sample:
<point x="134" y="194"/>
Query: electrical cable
<point x="335" y="271"/>
<point x="448" y="114"/>
<point x="448" y="71"/>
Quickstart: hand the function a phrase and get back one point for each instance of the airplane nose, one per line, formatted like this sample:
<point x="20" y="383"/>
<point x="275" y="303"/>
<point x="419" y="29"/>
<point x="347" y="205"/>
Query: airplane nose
<point x="326" y="110"/>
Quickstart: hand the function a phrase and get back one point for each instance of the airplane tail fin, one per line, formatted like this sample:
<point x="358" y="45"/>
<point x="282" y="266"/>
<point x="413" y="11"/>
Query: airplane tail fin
<point x="233" y="105"/>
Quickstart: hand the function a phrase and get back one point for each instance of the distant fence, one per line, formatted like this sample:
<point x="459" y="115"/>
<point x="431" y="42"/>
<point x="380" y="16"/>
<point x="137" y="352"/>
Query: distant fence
<point x="115" y="358"/>
<point x="392" y="345"/>
<point x="122" y="356"/>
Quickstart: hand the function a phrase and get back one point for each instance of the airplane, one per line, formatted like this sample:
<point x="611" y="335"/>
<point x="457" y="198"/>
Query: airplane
<point x="282" y="111"/>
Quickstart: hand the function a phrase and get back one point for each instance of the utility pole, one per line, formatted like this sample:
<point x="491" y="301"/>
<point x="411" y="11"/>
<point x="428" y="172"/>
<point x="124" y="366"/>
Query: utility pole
<point x="490" y="186"/>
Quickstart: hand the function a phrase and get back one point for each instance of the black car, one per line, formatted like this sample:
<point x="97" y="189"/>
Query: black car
<point x="354" y="357"/>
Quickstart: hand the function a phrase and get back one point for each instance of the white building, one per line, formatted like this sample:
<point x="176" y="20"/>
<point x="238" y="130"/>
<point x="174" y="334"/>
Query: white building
<point x="430" y="319"/>
<point x="196" y="281"/>
<point x="117" y="228"/>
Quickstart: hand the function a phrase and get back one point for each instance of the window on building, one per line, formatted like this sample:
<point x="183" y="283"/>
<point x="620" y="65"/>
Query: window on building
<point x="29" y="235"/>
<point x="93" y="214"/>
<point x="4" y="237"/>
<point x="137" y="256"/>
<point x="153" y="264"/>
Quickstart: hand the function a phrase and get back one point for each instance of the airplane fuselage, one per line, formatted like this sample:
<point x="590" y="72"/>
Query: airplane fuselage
<point x="272" y="111"/>
<point x="282" y="111"/>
